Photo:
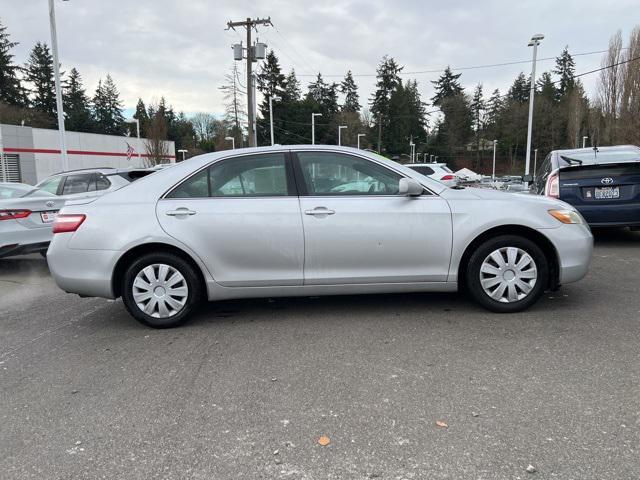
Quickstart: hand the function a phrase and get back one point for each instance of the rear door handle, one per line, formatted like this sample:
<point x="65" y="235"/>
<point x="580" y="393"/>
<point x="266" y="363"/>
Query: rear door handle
<point x="180" y="211"/>
<point x="319" y="211"/>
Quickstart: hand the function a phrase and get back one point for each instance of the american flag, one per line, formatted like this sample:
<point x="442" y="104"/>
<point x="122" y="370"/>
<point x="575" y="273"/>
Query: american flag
<point x="130" y="151"/>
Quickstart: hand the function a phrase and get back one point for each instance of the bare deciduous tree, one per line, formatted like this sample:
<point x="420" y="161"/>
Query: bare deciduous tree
<point x="156" y="146"/>
<point x="610" y="87"/>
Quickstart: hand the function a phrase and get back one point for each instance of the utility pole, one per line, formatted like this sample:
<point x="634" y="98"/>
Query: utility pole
<point x="56" y="76"/>
<point x="248" y="24"/>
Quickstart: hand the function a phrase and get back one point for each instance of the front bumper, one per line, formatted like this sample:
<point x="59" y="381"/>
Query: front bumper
<point x="574" y="244"/>
<point x="85" y="272"/>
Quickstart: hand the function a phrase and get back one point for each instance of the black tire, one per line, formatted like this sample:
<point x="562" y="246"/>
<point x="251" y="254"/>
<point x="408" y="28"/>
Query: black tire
<point x="472" y="274"/>
<point x="192" y="279"/>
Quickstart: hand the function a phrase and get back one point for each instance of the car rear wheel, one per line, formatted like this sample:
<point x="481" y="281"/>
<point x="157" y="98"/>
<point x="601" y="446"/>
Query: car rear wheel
<point x="161" y="290"/>
<point x="507" y="274"/>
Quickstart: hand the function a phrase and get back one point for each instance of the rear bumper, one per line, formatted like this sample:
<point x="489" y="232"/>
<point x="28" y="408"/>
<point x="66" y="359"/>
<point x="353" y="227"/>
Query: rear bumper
<point x="85" y="272"/>
<point x="613" y="215"/>
<point x="18" y="240"/>
<point x="574" y="244"/>
<point x="18" y="249"/>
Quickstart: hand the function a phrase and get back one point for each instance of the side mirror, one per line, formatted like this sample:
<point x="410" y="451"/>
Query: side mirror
<point x="528" y="178"/>
<point x="410" y="187"/>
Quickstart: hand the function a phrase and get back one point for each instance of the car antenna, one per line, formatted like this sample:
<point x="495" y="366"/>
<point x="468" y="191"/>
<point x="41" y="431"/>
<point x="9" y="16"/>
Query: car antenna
<point x="595" y="153"/>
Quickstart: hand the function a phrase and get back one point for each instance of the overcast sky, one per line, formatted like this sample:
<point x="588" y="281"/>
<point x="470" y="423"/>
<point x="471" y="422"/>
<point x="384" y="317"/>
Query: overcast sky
<point x="179" y="49"/>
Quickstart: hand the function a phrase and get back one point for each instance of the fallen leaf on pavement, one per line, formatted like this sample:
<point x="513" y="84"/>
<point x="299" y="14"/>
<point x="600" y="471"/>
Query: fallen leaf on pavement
<point x="324" y="440"/>
<point x="441" y="424"/>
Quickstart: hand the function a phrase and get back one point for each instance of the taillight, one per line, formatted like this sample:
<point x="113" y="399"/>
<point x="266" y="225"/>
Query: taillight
<point x="67" y="223"/>
<point x="552" y="187"/>
<point x="448" y="177"/>
<point x="13" y="214"/>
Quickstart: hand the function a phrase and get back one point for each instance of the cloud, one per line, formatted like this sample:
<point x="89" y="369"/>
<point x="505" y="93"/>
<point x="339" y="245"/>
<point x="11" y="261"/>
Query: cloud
<point x="181" y="50"/>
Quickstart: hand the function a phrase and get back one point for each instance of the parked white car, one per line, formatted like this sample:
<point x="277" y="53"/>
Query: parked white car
<point x="437" y="171"/>
<point x="267" y="222"/>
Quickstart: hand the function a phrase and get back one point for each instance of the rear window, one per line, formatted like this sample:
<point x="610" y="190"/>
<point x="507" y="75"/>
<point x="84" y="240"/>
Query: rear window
<point x="422" y="169"/>
<point x="591" y="171"/>
<point x="134" y="175"/>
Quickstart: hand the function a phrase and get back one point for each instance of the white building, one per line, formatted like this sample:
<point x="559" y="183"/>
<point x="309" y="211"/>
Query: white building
<point x="33" y="154"/>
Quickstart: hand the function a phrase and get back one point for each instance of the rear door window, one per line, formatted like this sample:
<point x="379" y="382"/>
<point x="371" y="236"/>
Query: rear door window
<point x="74" y="184"/>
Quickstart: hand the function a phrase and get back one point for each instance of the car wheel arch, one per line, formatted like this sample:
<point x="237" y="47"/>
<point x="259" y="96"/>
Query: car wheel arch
<point x="538" y="238"/>
<point x="135" y="252"/>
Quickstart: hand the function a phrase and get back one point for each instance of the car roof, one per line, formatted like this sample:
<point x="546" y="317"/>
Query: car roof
<point x="612" y="148"/>
<point x="426" y="164"/>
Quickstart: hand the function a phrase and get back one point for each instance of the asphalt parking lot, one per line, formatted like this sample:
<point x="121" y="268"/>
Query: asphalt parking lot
<point x="247" y="388"/>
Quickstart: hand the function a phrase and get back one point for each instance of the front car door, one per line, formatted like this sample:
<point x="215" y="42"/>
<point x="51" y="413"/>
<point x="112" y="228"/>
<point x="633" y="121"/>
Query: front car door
<point x="241" y="216"/>
<point x="358" y="230"/>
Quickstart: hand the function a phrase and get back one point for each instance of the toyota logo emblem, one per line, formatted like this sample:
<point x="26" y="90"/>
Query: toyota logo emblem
<point x="607" y="181"/>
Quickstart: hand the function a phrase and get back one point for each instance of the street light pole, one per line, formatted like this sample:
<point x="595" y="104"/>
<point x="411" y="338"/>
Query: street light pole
<point x="56" y="76"/>
<point x="493" y="172"/>
<point x="360" y="135"/>
<point x="584" y="141"/>
<point x="535" y="41"/>
<point x="271" y="99"/>
<point x="340" y="127"/>
<point x="233" y="142"/>
<point x="183" y="152"/>
<point x="431" y="158"/>
<point x="535" y="161"/>
<point x="313" y="127"/>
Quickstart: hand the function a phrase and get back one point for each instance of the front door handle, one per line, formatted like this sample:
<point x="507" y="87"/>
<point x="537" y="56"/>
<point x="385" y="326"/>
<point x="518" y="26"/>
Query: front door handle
<point x="319" y="211"/>
<point x="180" y="211"/>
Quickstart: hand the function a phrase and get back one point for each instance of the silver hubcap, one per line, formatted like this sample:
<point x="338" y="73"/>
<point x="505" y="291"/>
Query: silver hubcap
<point x="508" y="274"/>
<point x="160" y="290"/>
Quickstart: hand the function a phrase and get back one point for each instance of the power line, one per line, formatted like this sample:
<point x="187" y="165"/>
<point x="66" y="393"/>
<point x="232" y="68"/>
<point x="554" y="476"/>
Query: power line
<point x="474" y="67"/>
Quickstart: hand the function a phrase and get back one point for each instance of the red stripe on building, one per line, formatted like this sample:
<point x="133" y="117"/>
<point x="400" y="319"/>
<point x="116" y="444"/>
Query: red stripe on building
<point x="74" y="152"/>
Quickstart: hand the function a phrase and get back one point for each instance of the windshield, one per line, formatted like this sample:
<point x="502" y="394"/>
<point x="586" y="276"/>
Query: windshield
<point x="601" y="156"/>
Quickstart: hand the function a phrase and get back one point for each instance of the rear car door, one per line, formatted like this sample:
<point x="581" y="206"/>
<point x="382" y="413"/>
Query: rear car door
<point x="241" y="216"/>
<point x="357" y="229"/>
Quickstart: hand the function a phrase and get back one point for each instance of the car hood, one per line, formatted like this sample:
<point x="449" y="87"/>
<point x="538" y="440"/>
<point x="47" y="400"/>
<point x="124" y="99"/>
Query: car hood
<point x="511" y="197"/>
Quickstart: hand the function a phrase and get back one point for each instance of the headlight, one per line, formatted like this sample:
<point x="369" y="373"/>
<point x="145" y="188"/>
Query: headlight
<point x="566" y="216"/>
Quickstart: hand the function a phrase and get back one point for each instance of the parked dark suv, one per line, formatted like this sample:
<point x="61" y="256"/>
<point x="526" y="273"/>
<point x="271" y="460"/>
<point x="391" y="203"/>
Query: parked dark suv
<point x="603" y="183"/>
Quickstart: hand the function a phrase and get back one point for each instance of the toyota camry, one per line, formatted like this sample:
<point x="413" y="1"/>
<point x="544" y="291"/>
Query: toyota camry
<point x="310" y="220"/>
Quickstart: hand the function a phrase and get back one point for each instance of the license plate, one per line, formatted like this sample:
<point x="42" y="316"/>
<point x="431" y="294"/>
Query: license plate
<point x="607" y="193"/>
<point x="48" y="217"/>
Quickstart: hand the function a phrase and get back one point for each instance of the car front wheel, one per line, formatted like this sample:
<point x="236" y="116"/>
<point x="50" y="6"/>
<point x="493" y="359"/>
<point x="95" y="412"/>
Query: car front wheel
<point x="507" y="274"/>
<point x="161" y="290"/>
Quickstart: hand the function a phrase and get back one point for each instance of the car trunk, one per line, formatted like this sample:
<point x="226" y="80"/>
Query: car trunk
<point x="604" y="193"/>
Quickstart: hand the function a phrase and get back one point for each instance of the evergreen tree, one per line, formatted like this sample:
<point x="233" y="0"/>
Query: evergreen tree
<point x="388" y="80"/>
<point x="107" y="108"/>
<point x="292" y="89"/>
<point x="10" y="89"/>
<point x="494" y="106"/>
<point x="545" y="87"/>
<point x="478" y="108"/>
<point x="446" y="86"/>
<point x="39" y="74"/>
<point x="141" y="115"/>
<point x="349" y="89"/>
<point x="76" y="104"/>
<point x="325" y="95"/>
<point x="272" y="84"/>
<point x="565" y="69"/>
<point x="519" y="91"/>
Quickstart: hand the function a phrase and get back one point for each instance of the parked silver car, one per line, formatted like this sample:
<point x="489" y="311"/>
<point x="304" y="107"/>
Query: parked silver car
<point x="27" y="212"/>
<point x="273" y="221"/>
<point x="26" y="216"/>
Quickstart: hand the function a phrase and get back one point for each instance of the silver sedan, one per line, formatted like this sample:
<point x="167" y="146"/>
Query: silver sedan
<point x="310" y="220"/>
